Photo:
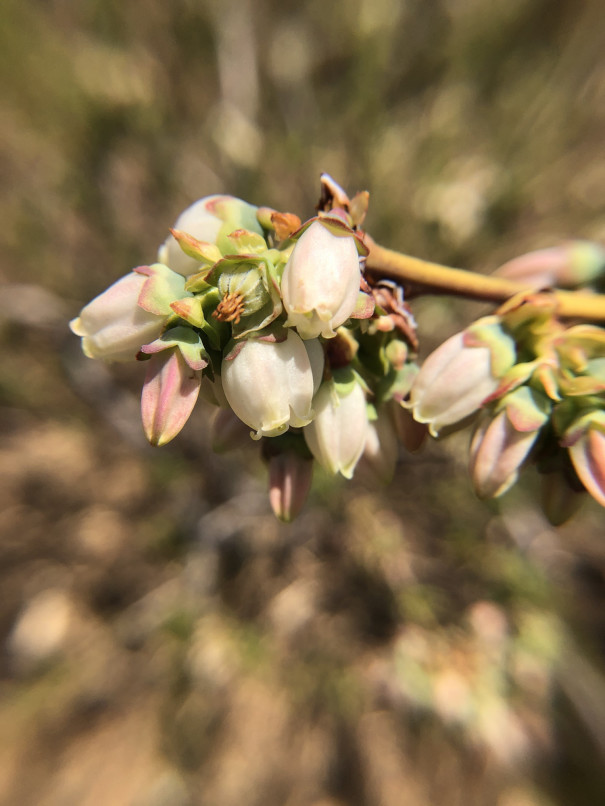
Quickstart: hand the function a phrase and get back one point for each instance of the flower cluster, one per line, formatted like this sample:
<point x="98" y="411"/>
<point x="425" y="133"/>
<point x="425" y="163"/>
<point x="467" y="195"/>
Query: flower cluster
<point x="279" y="325"/>
<point x="538" y="388"/>
<point x="273" y="321"/>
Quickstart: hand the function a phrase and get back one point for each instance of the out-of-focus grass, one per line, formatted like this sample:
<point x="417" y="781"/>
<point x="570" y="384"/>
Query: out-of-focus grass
<point x="167" y="642"/>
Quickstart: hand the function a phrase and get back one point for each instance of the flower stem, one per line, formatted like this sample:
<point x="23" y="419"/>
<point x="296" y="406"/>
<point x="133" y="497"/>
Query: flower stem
<point x="431" y="278"/>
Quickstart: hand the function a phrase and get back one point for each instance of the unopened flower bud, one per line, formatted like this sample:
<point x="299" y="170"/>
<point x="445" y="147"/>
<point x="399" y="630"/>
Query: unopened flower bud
<point x="209" y="219"/>
<point x="337" y="435"/>
<point x="457" y="377"/>
<point x="572" y="264"/>
<point x="169" y="394"/>
<point x="269" y="384"/>
<point x="320" y="284"/>
<point x="585" y="440"/>
<point x="117" y="323"/>
<point x="501" y="443"/>
<point x="290" y="476"/>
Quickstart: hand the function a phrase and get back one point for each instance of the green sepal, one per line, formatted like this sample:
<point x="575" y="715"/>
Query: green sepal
<point x="546" y="376"/>
<point x="202" y="251"/>
<point x="528" y="312"/>
<point x="580" y="345"/>
<point x="217" y="332"/>
<point x="337" y="226"/>
<point x="345" y="379"/>
<point x="233" y="349"/>
<point x="264" y="218"/>
<point x="237" y="215"/>
<point x="591" y="419"/>
<point x="526" y="408"/>
<point x="372" y="354"/>
<point x="371" y="412"/>
<point x="397" y="384"/>
<point x="273" y="334"/>
<point x="580" y="385"/>
<point x="245" y="242"/>
<point x="191" y="310"/>
<point x="186" y="340"/>
<point x="488" y="332"/>
<point x="197" y="283"/>
<point x="573" y="410"/>
<point x="596" y="368"/>
<point x="161" y="288"/>
<point x="591" y="336"/>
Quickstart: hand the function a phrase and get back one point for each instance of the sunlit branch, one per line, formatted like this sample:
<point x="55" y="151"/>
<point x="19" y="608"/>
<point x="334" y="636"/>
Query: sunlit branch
<point x="433" y="278"/>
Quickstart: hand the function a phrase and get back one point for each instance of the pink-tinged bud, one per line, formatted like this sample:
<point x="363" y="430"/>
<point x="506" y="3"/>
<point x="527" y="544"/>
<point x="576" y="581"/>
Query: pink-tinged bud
<point x="290" y="477"/>
<point x="586" y="444"/>
<point x="452" y="383"/>
<point x="572" y="264"/>
<point x="501" y="442"/>
<point x="269" y="384"/>
<point x="321" y="280"/>
<point x="114" y="326"/>
<point x="169" y="394"/>
<point x="337" y="435"/>
<point x="210" y="220"/>
<point x="497" y="452"/>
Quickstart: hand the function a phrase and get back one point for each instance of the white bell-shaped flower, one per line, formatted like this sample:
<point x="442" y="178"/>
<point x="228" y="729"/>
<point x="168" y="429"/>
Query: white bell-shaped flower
<point x="320" y="284"/>
<point x="113" y="326"/>
<point x="269" y="384"/>
<point x="338" y="433"/>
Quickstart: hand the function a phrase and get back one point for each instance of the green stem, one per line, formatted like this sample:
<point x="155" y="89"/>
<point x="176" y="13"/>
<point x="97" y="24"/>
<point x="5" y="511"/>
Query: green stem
<point x="431" y="278"/>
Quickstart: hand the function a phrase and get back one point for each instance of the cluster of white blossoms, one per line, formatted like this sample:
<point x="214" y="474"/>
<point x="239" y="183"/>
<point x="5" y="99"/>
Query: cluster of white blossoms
<point x="272" y="320"/>
<point x="276" y="322"/>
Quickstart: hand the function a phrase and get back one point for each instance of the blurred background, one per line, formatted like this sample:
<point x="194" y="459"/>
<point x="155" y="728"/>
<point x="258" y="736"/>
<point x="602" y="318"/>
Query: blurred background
<point x="165" y="641"/>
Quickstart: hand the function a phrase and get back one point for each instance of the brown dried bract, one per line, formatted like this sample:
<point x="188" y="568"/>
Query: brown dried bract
<point x="397" y="314"/>
<point x="285" y="224"/>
